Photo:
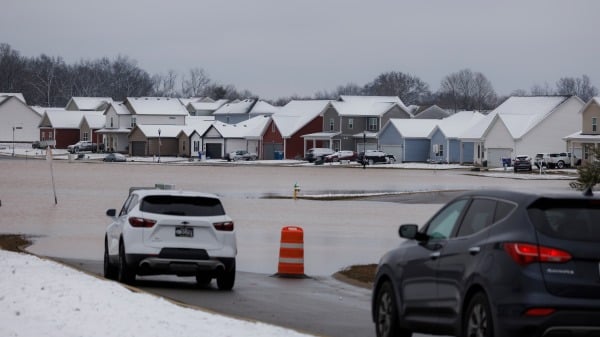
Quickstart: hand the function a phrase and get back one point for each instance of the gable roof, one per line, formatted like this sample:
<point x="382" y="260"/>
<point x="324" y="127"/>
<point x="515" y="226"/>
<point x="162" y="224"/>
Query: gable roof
<point x="166" y="131"/>
<point x="235" y="108"/>
<point x="519" y="114"/>
<point x="13" y="94"/>
<point x="64" y="119"/>
<point x="432" y="112"/>
<point x="413" y="128"/>
<point x="251" y="128"/>
<point x="89" y="103"/>
<point x="156" y="106"/>
<point x="94" y="120"/>
<point x="456" y="124"/>
<point x="296" y="114"/>
<point x="207" y="106"/>
<point x="374" y="106"/>
<point x="119" y="107"/>
<point x="198" y="124"/>
<point x="263" y="108"/>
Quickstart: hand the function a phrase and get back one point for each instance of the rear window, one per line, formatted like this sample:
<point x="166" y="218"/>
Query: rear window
<point x="570" y="219"/>
<point x="183" y="206"/>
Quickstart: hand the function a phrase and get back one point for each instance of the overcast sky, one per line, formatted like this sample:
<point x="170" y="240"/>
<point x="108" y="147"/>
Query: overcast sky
<point x="278" y="48"/>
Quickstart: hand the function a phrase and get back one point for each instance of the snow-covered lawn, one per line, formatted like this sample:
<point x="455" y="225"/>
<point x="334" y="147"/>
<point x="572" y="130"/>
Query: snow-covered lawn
<point x="42" y="298"/>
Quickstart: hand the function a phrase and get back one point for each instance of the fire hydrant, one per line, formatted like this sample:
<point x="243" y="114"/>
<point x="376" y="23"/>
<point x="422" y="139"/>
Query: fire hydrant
<point x="296" y="190"/>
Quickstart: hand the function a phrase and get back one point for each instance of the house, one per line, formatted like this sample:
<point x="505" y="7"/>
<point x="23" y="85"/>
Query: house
<point x="288" y="133"/>
<point x="222" y="138"/>
<point x="354" y="122"/>
<point x="18" y="121"/>
<point x="190" y="137"/>
<point x="205" y="107"/>
<point x="524" y="126"/>
<point x="234" y="112"/>
<point x="407" y="139"/>
<point x="88" y="103"/>
<point x="89" y="125"/>
<point x="581" y="142"/>
<point x="154" y="140"/>
<point x="60" y="128"/>
<point x="446" y="144"/>
<point x="262" y="108"/>
<point x="122" y="117"/>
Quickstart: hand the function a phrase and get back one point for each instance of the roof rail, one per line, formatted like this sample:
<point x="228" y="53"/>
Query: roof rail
<point x="156" y="187"/>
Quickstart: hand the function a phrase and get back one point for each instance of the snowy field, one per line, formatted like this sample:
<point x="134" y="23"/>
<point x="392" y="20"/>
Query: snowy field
<point x="43" y="298"/>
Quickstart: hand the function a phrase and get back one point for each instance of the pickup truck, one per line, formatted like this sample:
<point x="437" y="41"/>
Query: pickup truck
<point x="84" y="145"/>
<point x="554" y="160"/>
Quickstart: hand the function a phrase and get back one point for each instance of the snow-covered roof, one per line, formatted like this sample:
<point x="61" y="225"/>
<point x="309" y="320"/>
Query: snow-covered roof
<point x="156" y="106"/>
<point x="251" y="128"/>
<point x="90" y="103"/>
<point x="197" y="123"/>
<point x="374" y="99"/>
<point x="120" y="108"/>
<point x="414" y="128"/>
<point x="235" y="108"/>
<point x="166" y="131"/>
<point x="264" y="108"/>
<point x="432" y="112"/>
<point x="374" y="106"/>
<point x="207" y="106"/>
<point x="14" y="94"/>
<point x="455" y="125"/>
<point x="296" y="114"/>
<point x="519" y="115"/>
<point x="94" y="120"/>
<point x="583" y="137"/>
<point x="64" y="119"/>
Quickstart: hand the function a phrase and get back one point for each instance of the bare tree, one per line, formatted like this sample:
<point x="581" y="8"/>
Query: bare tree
<point x="581" y="87"/>
<point x="196" y="84"/>
<point x="468" y="90"/>
<point x="12" y="69"/>
<point x="409" y="88"/>
<point x="542" y="90"/>
<point x="44" y="79"/>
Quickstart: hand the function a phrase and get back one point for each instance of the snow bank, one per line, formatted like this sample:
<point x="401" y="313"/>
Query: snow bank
<point x="43" y="298"/>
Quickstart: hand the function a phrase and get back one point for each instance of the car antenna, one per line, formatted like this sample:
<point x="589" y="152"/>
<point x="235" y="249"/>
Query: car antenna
<point x="588" y="192"/>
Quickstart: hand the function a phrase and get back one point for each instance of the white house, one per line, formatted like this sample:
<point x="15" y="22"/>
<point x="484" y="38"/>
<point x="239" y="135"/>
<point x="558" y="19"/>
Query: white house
<point x="581" y="142"/>
<point x="18" y="119"/>
<point x="524" y="126"/>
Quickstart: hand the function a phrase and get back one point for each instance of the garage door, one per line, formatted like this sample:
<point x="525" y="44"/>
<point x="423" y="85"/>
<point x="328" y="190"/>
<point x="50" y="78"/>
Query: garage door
<point x="495" y="156"/>
<point x="396" y="150"/>
<point x="138" y="149"/>
<point x="370" y="146"/>
<point x="214" y="150"/>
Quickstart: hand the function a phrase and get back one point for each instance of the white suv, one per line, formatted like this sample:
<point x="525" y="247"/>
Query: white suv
<point x="167" y="231"/>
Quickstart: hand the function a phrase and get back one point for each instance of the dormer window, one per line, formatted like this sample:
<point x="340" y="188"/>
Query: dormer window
<point x="594" y="124"/>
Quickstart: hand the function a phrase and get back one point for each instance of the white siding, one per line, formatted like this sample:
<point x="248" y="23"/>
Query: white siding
<point x="15" y="113"/>
<point x="233" y="144"/>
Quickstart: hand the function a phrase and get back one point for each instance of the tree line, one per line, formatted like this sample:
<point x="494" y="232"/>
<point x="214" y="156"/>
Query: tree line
<point x="50" y="81"/>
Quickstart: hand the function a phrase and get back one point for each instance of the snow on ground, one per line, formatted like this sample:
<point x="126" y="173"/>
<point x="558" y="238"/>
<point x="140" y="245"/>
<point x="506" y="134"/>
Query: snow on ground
<point x="43" y="298"/>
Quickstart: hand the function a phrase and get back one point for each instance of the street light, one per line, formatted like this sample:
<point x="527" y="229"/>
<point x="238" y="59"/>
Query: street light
<point x="15" y="128"/>
<point x="159" y="145"/>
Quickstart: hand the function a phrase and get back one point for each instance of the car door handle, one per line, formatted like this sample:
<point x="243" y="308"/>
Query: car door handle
<point x="474" y="250"/>
<point x="434" y="256"/>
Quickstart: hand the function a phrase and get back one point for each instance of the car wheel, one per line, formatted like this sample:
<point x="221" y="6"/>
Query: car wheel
<point x="386" y="313"/>
<point x="478" y="320"/>
<point x="226" y="279"/>
<point x="560" y="164"/>
<point x="203" y="279"/>
<point x="110" y="271"/>
<point x="125" y="274"/>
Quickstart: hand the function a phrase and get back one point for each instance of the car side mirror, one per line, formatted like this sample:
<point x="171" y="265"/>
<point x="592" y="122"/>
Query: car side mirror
<point x="411" y="232"/>
<point x="111" y="212"/>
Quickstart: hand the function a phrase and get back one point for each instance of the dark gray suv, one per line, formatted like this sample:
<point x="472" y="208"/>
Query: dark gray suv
<point x="495" y="263"/>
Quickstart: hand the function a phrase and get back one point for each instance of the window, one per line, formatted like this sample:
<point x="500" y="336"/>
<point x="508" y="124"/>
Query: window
<point x="442" y="225"/>
<point x="331" y="124"/>
<point x="272" y="127"/>
<point x="479" y="216"/>
<point x="196" y="145"/>
<point x="133" y="122"/>
<point x="86" y="136"/>
<point x="350" y="123"/>
<point x="594" y="124"/>
<point x="372" y="122"/>
<point x="111" y="123"/>
<point x="440" y="150"/>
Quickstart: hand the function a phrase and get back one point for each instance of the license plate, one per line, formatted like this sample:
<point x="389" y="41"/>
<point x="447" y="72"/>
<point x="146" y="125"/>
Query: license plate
<point x="186" y="232"/>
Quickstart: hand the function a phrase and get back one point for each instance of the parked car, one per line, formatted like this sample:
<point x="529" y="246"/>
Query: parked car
<point x="341" y="156"/>
<point x="495" y="263"/>
<point x="241" y="155"/>
<point x="555" y="160"/>
<point x="316" y="153"/>
<point x="522" y="163"/>
<point x="167" y="231"/>
<point x="36" y="144"/>
<point x="371" y="157"/>
<point x="115" y="157"/>
<point x="84" y="145"/>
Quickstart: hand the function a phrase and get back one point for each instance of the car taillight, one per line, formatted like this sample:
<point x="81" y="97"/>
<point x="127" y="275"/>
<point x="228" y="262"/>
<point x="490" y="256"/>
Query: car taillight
<point x="141" y="222"/>
<point x="526" y="253"/>
<point x="226" y="226"/>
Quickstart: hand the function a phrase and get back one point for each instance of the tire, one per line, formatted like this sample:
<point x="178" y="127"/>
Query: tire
<point x="125" y="274"/>
<point x="226" y="279"/>
<point x="110" y="271"/>
<point x="478" y="321"/>
<point x="203" y="279"/>
<point x="386" y="313"/>
<point x="560" y="164"/>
